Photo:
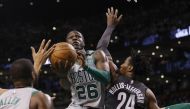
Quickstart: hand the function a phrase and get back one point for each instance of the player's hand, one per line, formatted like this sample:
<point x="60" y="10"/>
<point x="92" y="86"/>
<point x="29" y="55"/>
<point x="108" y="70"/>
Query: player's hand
<point x="41" y="55"/>
<point x="81" y="59"/>
<point x="112" y="17"/>
<point x="62" y="67"/>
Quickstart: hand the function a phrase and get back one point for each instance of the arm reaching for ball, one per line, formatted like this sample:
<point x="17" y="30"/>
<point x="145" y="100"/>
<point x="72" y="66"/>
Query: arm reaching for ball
<point x="41" y="55"/>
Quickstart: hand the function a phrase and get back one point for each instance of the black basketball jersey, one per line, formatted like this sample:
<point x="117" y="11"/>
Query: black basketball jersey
<point x="126" y="93"/>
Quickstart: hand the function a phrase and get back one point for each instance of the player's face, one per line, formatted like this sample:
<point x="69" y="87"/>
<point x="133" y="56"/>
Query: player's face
<point x="75" y="38"/>
<point x="126" y="68"/>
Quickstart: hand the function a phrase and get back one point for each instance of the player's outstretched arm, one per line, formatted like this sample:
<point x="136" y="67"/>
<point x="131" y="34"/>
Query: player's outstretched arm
<point x="41" y="55"/>
<point x="112" y="21"/>
<point x="178" y="106"/>
<point x="152" y="102"/>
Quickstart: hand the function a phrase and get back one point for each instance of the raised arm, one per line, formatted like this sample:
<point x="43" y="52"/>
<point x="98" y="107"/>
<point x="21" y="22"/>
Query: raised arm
<point x="41" y="56"/>
<point x="112" y="20"/>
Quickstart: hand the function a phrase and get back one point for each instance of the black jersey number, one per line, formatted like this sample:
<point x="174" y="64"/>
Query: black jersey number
<point x="122" y="96"/>
<point x="91" y="90"/>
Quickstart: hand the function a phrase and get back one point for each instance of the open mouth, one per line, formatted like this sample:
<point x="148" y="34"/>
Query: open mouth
<point x="76" y="43"/>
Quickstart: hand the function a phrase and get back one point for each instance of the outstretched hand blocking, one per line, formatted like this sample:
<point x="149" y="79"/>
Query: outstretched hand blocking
<point x="41" y="55"/>
<point x="113" y="18"/>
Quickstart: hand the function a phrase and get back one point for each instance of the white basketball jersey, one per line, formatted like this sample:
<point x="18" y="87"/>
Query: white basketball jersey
<point x="16" y="98"/>
<point x="85" y="90"/>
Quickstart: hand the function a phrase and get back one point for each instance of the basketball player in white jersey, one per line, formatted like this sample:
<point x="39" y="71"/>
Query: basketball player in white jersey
<point x="23" y="96"/>
<point x="87" y="92"/>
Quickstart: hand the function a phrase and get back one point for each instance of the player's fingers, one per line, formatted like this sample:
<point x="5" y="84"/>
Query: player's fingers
<point x="80" y="54"/>
<point x="33" y="51"/>
<point x="66" y="64"/>
<point x="50" y="51"/>
<point x="73" y="63"/>
<point x="61" y="66"/>
<point x="120" y="17"/>
<point x="109" y="12"/>
<point x="70" y="65"/>
<point x="112" y="11"/>
<point x="80" y="59"/>
<point x="56" y="66"/>
<point x="116" y="12"/>
<point x="47" y="45"/>
<point x="42" y="45"/>
<point x="53" y="98"/>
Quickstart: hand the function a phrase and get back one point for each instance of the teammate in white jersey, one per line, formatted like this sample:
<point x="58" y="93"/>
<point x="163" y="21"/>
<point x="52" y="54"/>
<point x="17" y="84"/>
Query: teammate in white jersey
<point x="87" y="92"/>
<point x="23" y="96"/>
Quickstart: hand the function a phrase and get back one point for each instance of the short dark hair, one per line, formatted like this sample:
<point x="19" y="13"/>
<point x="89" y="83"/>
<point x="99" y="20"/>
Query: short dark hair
<point x="141" y="63"/>
<point x="21" y="70"/>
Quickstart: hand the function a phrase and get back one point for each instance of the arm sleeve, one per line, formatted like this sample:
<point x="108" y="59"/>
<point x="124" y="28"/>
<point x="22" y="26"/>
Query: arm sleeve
<point x="100" y="75"/>
<point x="105" y="39"/>
<point x="179" y="106"/>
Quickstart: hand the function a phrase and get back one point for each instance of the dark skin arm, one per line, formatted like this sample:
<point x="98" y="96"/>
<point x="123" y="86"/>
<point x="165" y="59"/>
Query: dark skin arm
<point x="152" y="102"/>
<point x="40" y="101"/>
<point x="113" y="18"/>
<point x="113" y="70"/>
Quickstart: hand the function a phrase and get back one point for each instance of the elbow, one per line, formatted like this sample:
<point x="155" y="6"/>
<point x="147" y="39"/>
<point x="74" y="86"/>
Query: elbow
<point x="102" y="44"/>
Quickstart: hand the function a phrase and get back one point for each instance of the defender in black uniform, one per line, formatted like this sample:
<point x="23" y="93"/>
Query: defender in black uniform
<point x="124" y="92"/>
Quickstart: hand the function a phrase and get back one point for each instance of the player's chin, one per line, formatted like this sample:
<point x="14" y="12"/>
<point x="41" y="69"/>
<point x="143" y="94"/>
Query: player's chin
<point x="130" y="75"/>
<point x="76" y="46"/>
<point x="121" y="70"/>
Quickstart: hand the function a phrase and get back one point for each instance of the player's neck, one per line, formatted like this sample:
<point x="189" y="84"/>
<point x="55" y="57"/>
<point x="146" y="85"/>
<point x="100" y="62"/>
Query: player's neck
<point x="81" y="51"/>
<point x="129" y="75"/>
<point x="20" y="84"/>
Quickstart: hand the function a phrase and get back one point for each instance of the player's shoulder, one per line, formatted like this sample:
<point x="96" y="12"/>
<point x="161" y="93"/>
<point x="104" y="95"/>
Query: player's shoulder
<point x="38" y="96"/>
<point x="39" y="99"/>
<point x="141" y="84"/>
<point x="2" y="91"/>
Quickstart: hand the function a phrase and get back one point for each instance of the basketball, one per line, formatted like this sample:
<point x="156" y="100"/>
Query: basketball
<point x="63" y="52"/>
